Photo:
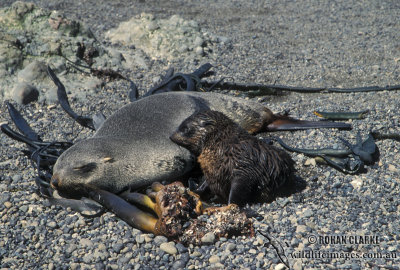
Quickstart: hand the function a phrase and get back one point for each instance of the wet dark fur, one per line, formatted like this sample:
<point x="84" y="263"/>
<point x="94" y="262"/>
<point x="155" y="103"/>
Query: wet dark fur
<point x="237" y="166"/>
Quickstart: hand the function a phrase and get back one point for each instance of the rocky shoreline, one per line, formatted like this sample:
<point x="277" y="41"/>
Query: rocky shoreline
<point x="301" y="43"/>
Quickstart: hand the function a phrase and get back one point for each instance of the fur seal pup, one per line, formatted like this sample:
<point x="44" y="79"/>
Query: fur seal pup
<point x="132" y="149"/>
<point x="237" y="166"/>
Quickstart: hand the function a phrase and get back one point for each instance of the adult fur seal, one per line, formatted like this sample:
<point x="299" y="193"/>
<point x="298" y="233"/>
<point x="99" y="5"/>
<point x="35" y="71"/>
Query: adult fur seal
<point x="237" y="166"/>
<point x="132" y="147"/>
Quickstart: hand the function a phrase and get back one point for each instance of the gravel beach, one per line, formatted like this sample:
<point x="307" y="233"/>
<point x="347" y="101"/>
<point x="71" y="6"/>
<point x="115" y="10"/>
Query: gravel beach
<point x="327" y="225"/>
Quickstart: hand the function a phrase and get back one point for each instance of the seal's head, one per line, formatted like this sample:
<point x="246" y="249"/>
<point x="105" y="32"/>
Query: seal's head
<point x="89" y="162"/>
<point x="194" y="131"/>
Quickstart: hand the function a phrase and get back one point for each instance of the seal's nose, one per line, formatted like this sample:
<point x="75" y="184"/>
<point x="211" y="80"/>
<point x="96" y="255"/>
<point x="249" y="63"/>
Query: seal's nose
<point x="54" y="182"/>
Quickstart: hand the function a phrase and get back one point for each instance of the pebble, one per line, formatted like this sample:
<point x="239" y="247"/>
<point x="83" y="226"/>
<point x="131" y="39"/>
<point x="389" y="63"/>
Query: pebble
<point x="169" y="248"/>
<point x="310" y="162"/>
<point x="117" y="247"/>
<point x="139" y="239"/>
<point x="7" y="204"/>
<point x="214" y="259"/>
<point x="208" y="238"/>
<point x="280" y="266"/>
<point x="252" y="251"/>
<point x="52" y="224"/>
<point x="357" y="183"/>
<point x="231" y="246"/>
<point x="392" y="168"/>
<point x="84" y="242"/>
<point x="16" y="178"/>
<point x="159" y="239"/>
<point x="199" y="51"/>
<point x="24" y="93"/>
<point x="181" y="248"/>
<point x="196" y="254"/>
<point x="35" y="70"/>
<point x="307" y="213"/>
<point x="298" y="265"/>
<point x="198" y="41"/>
<point x="301" y="229"/>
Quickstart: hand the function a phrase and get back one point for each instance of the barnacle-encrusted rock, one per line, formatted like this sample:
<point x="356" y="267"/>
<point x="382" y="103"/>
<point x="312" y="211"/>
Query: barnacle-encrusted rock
<point x="182" y="218"/>
<point x="164" y="38"/>
<point x="32" y="37"/>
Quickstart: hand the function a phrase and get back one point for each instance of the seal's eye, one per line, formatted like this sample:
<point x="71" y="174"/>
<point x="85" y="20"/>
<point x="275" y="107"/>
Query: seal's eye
<point x="87" y="168"/>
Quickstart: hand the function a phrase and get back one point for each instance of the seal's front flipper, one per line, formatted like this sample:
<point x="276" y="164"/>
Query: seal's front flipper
<point x="288" y="123"/>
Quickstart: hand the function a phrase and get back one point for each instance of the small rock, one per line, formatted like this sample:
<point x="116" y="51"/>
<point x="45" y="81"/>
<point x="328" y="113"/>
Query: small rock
<point x="224" y="39"/>
<point x="337" y="184"/>
<point x="196" y="254"/>
<point x="307" y="213"/>
<point x="88" y="258"/>
<point x="301" y="229"/>
<point x="198" y="41"/>
<point x="159" y="239"/>
<point x="208" y="238"/>
<point x="98" y="255"/>
<point x="283" y="202"/>
<point x="139" y="238"/>
<point x="3" y="188"/>
<point x="183" y="48"/>
<point x="298" y="265"/>
<point x="16" y="178"/>
<point x="357" y="183"/>
<point x="152" y="26"/>
<point x="148" y="238"/>
<point x="181" y="248"/>
<point x="36" y="70"/>
<point x="179" y="264"/>
<point x="218" y="266"/>
<point x="280" y="266"/>
<point x="86" y="242"/>
<point x="169" y="248"/>
<point x="214" y="259"/>
<point x="230" y="246"/>
<point x="52" y="224"/>
<point x="7" y="204"/>
<point x="117" y="247"/>
<point x="199" y="51"/>
<point x="24" y="93"/>
<point x="101" y="247"/>
<point x="392" y="168"/>
<point x="310" y="162"/>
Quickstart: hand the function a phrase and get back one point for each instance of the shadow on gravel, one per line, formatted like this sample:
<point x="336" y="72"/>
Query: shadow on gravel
<point x="290" y="188"/>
